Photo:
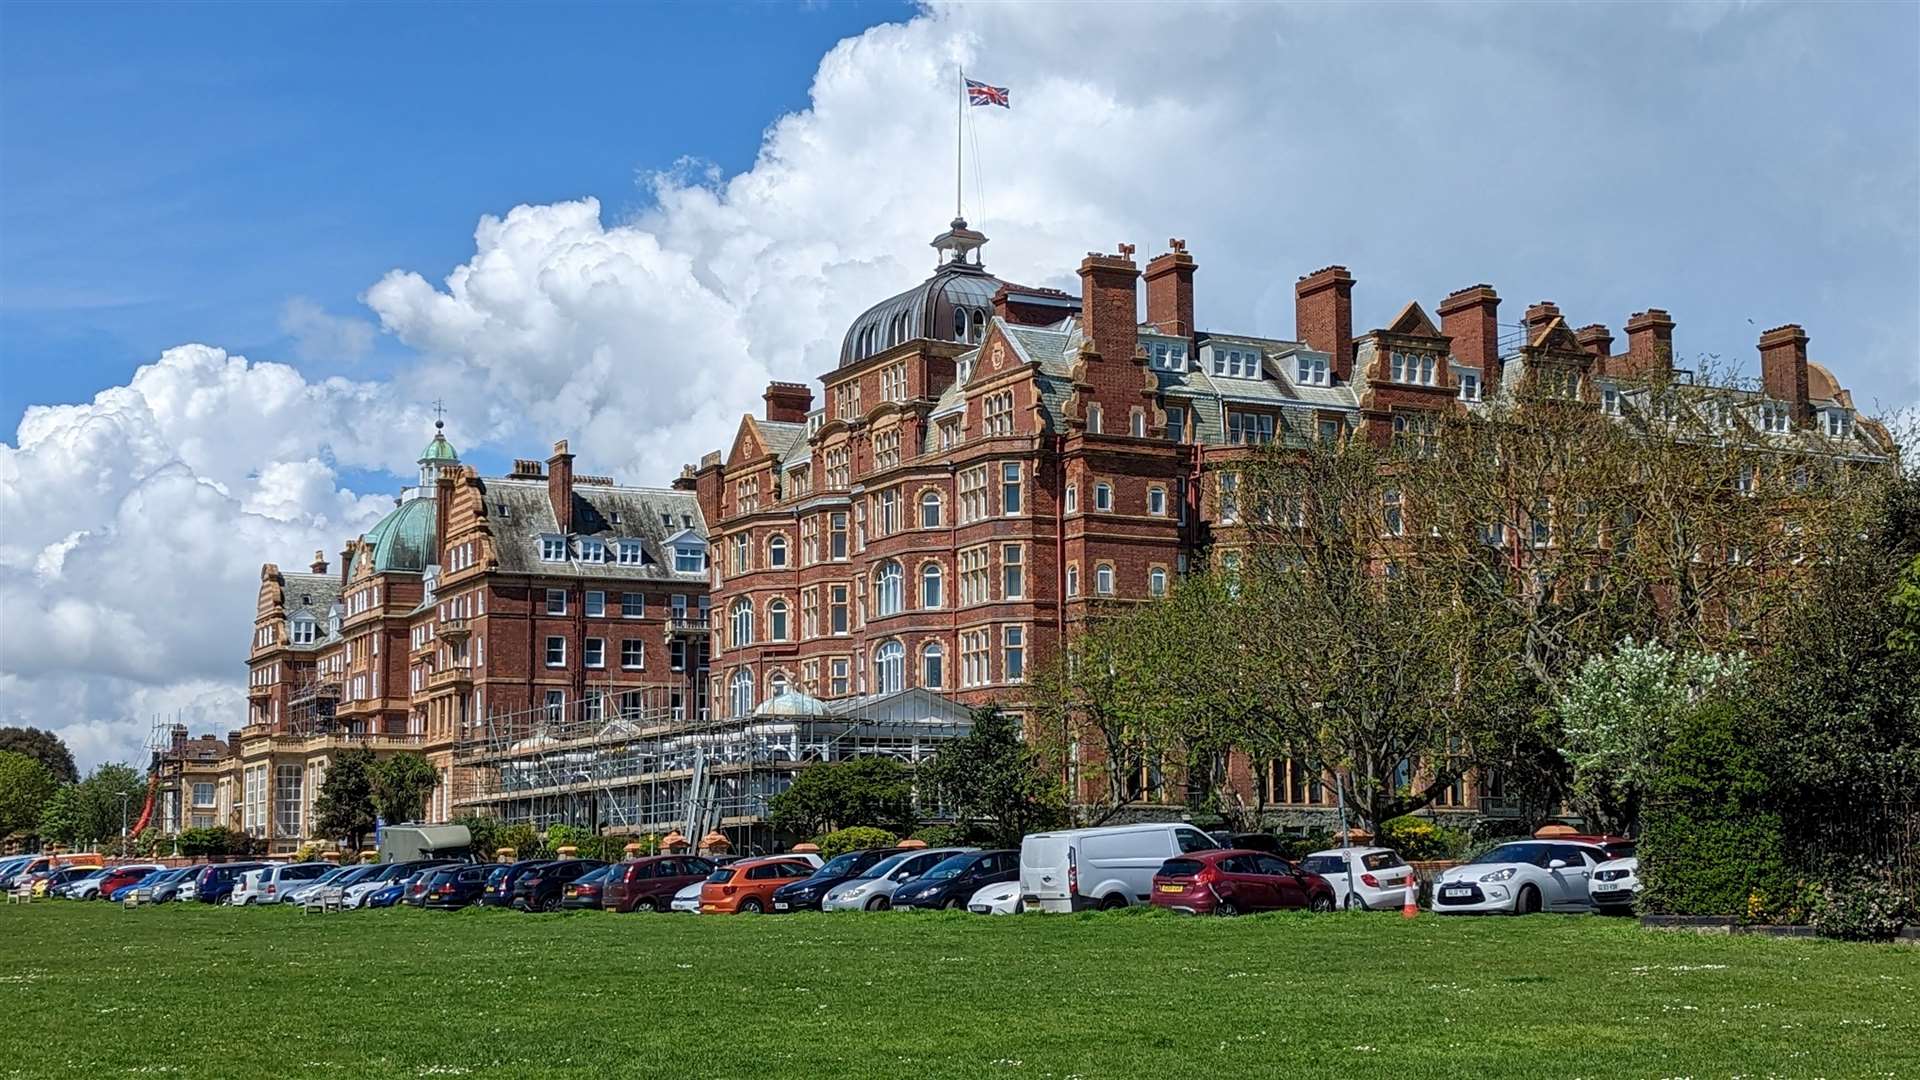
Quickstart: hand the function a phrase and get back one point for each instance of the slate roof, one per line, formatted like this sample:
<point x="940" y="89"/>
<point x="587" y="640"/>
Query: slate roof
<point x="309" y="596"/>
<point x="608" y="512"/>
<point x="780" y="437"/>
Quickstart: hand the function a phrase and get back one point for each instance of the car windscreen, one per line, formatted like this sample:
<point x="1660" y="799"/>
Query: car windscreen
<point x="1530" y="853"/>
<point x="950" y="867"/>
<point x="1181" y="867"/>
<point x="1324" y="864"/>
<point x="1381" y="860"/>
<point x="840" y="865"/>
<point x="884" y="867"/>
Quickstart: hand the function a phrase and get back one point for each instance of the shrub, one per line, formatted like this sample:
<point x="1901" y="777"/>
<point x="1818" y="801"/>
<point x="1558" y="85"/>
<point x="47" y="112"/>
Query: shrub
<point x="942" y="835"/>
<point x="1713" y="839"/>
<point x="841" y="841"/>
<point x="1862" y="904"/>
<point x="1299" y="847"/>
<point x="1418" y="839"/>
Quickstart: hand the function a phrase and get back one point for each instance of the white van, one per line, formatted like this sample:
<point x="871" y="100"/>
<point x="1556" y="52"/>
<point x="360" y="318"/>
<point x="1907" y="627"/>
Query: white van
<point x="1101" y="868"/>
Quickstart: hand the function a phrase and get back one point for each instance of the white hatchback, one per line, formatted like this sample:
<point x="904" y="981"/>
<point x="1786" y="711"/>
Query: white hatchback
<point x="1002" y="898"/>
<point x="687" y="899"/>
<point x="1373" y="878"/>
<point x="1520" y="878"/>
<point x="1616" y="885"/>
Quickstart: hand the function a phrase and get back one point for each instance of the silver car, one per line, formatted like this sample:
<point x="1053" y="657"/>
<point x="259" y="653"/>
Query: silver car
<point x="874" y="891"/>
<point x="268" y="884"/>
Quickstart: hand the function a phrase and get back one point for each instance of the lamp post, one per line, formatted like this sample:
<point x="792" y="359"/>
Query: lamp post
<point x="124" y="797"/>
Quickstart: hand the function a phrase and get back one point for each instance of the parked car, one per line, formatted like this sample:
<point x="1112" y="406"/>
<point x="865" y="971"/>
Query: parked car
<point x="873" y="890"/>
<point x="1363" y="877"/>
<point x="88" y="887"/>
<point x="1234" y="882"/>
<point x="649" y="884"/>
<point x="338" y="877"/>
<point x="383" y="876"/>
<point x="1103" y="868"/>
<point x="1246" y="841"/>
<point x="806" y="894"/>
<point x="390" y="893"/>
<point x="583" y="893"/>
<point x="12" y="867"/>
<point x="62" y="884"/>
<point x="452" y="887"/>
<point x="746" y="887"/>
<point x="502" y="878"/>
<point x="540" y="890"/>
<point x="1616" y="886"/>
<point x="40" y="882"/>
<point x="267" y="884"/>
<point x="216" y="881"/>
<point x="1001" y="899"/>
<point x="167" y="886"/>
<point x="688" y="898"/>
<point x="105" y="885"/>
<point x="123" y="892"/>
<point x="1522" y="877"/>
<point x="951" y="882"/>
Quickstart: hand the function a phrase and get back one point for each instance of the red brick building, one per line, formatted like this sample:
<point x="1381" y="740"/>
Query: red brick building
<point x="989" y="459"/>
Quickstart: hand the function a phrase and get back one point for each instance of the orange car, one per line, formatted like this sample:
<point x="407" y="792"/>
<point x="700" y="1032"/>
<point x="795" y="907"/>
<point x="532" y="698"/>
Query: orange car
<point x="746" y="887"/>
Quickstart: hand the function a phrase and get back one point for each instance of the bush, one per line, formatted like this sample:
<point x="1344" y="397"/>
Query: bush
<point x="1299" y="847"/>
<point x="1417" y="839"/>
<point x="841" y="841"/>
<point x="943" y="835"/>
<point x="1713" y="842"/>
<point x="1862" y="904"/>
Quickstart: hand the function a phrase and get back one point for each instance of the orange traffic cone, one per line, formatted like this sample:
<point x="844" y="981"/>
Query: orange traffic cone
<point x="1411" y="907"/>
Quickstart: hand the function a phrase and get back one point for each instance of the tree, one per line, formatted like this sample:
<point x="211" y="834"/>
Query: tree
<point x="63" y="818"/>
<point x="1618" y="713"/>
<point x="44" y="747"/>
<point x="209" y="842"/>
<point x="826" y="796"/>
<point x="112" y="796"/>
<point x="345" y="804"/>
<point x="484" y="831"/>
<point x="991" y="778"/>
<point x="25" y="787"/>
<point x="401" y="785"/>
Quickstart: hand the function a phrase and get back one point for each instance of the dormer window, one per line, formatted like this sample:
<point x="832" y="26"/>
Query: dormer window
<point x="303" y="631"/>
<point x="688" y="559"/>
<point x="629" y="553"/>
<point x="1169" y="356"/>
<point x="1469" y="386"/>
<point x="1839" y="423"/>
<point x="1610" y="401"/>
<point x="1774" y="417"/>
<point x="1414" y="369"/>
<point x="1310" y="370"/>
<point x="553" y="549"/>
<point x="964" y="372"/>
<point x="592" y="550"/>
<point x="1238" y="363"/>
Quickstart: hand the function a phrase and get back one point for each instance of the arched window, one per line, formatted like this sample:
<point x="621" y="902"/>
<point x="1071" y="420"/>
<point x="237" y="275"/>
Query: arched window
<point x="979" y="325"/>
<point x="1137" y="424"/>
<point x="887" y="589"/>
<point x="889" y="668"/>
<point x="1103" y="579"/>
<point x="959" y="324"/>
<point x="776" y="620"/>
<point x="741" y="621"/>
<point x="1094" y="419"/>
<point x="930" y="510"/>
<point x="740" y="692"/>
<point x="932" y="666"/>
<point x="777" y="550"/>
<point x="930" y="586"/>
<point x="777" y="685"/>
<point x="1157" y="581"/>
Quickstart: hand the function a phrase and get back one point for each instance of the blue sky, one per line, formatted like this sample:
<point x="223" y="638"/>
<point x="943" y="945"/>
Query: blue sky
<point x="174" y="173"/>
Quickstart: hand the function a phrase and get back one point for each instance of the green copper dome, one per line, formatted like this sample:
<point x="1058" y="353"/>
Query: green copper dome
<point x="403" y="540"/>
<point x="439" y="450"/>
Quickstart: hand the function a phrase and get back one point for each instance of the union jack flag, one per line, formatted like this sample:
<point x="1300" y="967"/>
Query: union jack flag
<point x="979" y="93"/>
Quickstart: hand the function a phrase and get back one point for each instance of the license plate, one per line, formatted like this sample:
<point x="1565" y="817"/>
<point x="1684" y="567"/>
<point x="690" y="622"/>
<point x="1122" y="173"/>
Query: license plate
<point x="1606" y="889"/>
<point x="779" y="905"/>
<point x="1173" y="888"/>
<point x="1457" y="890"/>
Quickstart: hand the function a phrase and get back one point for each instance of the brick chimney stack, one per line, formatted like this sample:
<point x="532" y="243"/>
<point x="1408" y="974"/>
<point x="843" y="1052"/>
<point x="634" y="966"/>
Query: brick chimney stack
<point x="1597" y="340"/>
<point x="560" y="485"/>
<point x="346" y="561"/>
<point x="1109" y="303"/>
<point x="1783" y="366"/>
<point x="1470" y="316"/>
<point x="1170" y="290"/>
<point x="319" y="564"/>
<point x="1649" y="344"/>
<point x="1539" y="315"/>
<point x="788" y="403"/>
<point x="1323" y="316"/>
<point x="442" y="507"/>
<point x="178" y="734"/>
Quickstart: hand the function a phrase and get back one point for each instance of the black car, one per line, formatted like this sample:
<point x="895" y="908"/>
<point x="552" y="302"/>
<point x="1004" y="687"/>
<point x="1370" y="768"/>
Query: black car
<point x="806" y="894"/>
<point x="1248" y="841"/>
<point x="454" y="887"/>
<point x="954" y="880"/>
<point x="423" y="872"/>
<point x="540" y="890"/>
<point x="503" y="877"/>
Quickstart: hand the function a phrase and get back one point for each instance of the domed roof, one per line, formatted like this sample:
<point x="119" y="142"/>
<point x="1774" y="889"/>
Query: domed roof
<point x="928" y="310"/>
<point x="439" y="450"/>
<point x="403" y="540"/>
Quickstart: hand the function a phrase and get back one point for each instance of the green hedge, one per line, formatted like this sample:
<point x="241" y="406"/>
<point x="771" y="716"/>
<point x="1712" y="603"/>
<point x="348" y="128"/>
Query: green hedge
<point x="1712" y="842"/>
<point x="841" y="841"/>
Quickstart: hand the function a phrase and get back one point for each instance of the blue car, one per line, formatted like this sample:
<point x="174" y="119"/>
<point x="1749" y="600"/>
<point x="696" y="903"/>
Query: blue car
<point x="388" y="895"/>
<point x="127" y="890"/>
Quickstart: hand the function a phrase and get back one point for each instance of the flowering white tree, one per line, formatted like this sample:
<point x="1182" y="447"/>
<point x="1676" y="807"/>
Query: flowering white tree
<point x="1618" y="712"/>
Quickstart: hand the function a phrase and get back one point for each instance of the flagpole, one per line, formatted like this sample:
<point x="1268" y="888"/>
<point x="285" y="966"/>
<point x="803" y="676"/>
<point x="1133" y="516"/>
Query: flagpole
<point x="959" y="110"/>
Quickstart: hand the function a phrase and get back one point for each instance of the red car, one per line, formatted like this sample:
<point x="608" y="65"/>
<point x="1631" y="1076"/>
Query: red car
<point x="649" y="884"/>
<point x="119" y="876"/>
<point x="1236" y="881"/>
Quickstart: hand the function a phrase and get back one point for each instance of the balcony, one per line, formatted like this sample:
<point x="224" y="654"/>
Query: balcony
<point x="688" y="625"/>
<point x="452" y="629"/>
<point x="370" y="740"/>
<point x="451" y="677"/>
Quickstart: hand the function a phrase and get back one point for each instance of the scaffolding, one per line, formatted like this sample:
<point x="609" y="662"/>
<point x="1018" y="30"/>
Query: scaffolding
<point x="646" y="767"/>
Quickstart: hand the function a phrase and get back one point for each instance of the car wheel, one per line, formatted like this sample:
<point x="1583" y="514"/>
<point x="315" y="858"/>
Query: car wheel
<point x="1113" y="902"/>
<point x="953" y="904"/>
<point x="1225" y="908"/>
<point x="551" y="903"/>
<point x="1529" y="902"/>
<point x="879" y="903"/>
<point x="645" y="903"/>
<point x="1320" y="905"/>
<point x="750" y="906"/>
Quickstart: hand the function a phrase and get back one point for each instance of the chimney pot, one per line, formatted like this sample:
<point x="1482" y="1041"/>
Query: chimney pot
<point x="1649" y="344"/>
<point x="319" y="564"/>
<point x="1470" y="317"/>
<point x="788" y="403"/>
<point x="1597" y="340"/>
<point x="1170" y="290"/>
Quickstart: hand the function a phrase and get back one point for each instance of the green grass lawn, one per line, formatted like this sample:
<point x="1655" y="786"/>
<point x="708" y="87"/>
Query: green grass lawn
<point x="91" y="989"/>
